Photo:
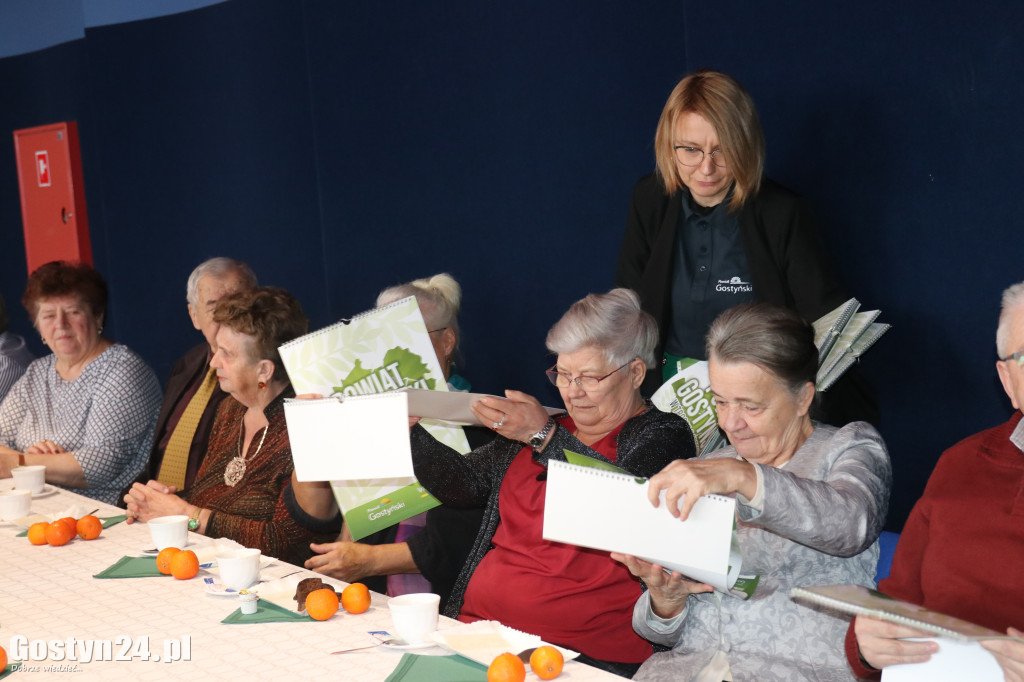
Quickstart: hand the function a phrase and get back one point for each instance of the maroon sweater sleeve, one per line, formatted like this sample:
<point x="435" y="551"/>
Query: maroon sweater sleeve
<point x="853" y="657"/>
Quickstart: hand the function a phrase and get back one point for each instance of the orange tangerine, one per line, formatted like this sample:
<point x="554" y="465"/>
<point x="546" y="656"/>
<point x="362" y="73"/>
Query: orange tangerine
<point x="163" y="559"/>
<point x="89" y="527"/>
<point x="59" y="533"/>
<point x="506" y="667"/>
<point x="355" y="598"/>
<point x="37" y="533"/>
<point x="322" y="604"/>
<point x="546" y="662"/>
<point x="184" y="565"/>
<point x="3" y="659"/>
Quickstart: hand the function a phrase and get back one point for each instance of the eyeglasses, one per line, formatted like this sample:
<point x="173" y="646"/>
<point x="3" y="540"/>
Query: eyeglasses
<point x="1018" y="357"/>
<point x="692" y="156"/>
<point x="586" y="383"/>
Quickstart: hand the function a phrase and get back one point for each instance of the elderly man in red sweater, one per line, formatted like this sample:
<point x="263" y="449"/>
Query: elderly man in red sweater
<point x="962" y="549"/>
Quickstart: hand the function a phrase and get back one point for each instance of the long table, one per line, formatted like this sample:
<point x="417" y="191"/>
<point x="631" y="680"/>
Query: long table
<point x="48" y="596"/>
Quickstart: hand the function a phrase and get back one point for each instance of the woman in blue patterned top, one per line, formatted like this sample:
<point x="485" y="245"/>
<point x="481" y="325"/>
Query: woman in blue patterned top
<point x="86" y="411"/>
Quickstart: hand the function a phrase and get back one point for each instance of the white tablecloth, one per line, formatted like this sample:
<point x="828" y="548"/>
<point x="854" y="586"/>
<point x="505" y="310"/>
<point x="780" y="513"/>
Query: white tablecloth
<point x="48" y="593"/>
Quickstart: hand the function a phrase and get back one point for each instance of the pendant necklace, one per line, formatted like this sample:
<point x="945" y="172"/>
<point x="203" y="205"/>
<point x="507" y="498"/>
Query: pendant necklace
<point x="235" y="469"/>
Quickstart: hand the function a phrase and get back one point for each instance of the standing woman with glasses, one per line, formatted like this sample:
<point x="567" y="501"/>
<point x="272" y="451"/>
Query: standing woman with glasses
<point x="707" y="231"/>
<point x="574" y="597"/>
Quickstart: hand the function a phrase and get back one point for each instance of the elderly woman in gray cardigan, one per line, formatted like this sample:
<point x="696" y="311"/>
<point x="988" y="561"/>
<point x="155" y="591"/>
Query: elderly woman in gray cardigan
<point x="811" y="501"/>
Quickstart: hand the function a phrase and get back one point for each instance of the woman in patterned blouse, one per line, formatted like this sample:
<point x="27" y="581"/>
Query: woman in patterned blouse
<point x="86" y="411"/>
<point x="239" y="489"/>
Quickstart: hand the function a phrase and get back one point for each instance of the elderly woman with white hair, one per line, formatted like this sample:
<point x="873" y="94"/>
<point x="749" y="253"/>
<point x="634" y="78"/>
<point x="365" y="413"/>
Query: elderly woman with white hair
<point x="424" y="553"/>
<point x="574" y="597"/>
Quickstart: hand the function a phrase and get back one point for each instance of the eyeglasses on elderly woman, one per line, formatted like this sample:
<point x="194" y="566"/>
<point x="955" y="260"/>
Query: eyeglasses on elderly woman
<point x="562" y="380"/>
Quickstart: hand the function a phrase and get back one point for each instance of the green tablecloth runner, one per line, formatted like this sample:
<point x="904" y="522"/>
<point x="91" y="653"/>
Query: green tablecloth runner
<point x="132" y="567"/>
<point x="267" y="612"/>
<point x="107" y="523"/>
<point x="413" y="668"/>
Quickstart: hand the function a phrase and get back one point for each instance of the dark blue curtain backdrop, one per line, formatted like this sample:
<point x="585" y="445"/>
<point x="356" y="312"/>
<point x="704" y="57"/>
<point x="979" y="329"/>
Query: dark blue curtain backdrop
<point x="343" y="147"/>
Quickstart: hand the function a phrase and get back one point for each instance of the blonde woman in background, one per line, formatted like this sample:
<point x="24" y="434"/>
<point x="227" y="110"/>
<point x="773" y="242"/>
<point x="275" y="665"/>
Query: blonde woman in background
<point x="708" y="230"/>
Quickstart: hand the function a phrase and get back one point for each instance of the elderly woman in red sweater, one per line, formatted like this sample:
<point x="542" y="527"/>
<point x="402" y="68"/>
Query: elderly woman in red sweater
<point x="604" y="346"/>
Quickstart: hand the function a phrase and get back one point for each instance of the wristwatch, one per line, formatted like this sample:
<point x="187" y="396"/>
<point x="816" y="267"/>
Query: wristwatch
<point x="193" y="521"/>
<point x="537" y="439"/>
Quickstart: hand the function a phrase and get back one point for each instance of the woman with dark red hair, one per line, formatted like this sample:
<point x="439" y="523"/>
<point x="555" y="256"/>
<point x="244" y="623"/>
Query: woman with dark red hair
<point x="87" y="410"/>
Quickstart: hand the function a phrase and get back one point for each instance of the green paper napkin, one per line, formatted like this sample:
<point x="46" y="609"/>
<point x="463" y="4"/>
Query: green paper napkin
<point x="132" y="567"/>
<point x="449" y="668"/>
<point x="266" y="612"/>
<point x="107" y="523"/>
<point x="113" y="520"/>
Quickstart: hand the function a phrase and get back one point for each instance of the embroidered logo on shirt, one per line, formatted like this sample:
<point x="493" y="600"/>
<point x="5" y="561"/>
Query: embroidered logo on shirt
<point x="734" y="286"/>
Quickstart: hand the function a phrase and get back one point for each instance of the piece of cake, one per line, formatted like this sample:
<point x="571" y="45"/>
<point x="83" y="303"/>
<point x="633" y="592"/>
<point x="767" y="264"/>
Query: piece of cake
<point x="306" y="586"/>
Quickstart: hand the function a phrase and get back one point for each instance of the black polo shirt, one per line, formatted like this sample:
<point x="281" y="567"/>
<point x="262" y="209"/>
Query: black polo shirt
<point x="710" y="274"/>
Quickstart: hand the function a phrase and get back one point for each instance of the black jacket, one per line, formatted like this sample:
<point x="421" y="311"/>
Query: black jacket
<point x="787" y="265"/>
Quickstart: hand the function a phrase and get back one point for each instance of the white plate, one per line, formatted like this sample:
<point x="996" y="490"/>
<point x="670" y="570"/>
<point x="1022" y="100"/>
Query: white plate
<point x="482" y="640"/>
<point x="282" y="590"/>
<point x="25" y="521"/>
<point x="45" y="492"/>
<point x="217" y="590"/>
<point x="407" y="647"/>
<point x="264" y="561"/>
<point x="195" y="549"/>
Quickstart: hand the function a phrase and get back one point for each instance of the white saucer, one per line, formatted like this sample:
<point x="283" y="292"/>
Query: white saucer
<point x="217" y="590"/>
<point x="25" y="521"/>
<point x="155" y="552"/>
<point x="407" y="647"/>
<point x="264" y="561"/>
<point x="45" y="492"/>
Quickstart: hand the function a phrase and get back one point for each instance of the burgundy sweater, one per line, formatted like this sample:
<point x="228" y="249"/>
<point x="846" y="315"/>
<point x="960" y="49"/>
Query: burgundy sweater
<point x="962" y="549"/>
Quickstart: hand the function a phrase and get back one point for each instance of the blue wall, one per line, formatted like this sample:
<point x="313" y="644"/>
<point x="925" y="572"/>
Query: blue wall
<point x="342" y="147"/>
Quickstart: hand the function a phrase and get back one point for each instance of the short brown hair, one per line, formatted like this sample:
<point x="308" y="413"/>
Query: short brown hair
<point x="773" y="338"/>
<point x="61" y="278"/>
<point x="730" y="110"/>
<point x="270" y="315"/>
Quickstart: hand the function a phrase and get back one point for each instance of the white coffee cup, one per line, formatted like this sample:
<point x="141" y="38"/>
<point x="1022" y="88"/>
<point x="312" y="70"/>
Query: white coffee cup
<point x="14" y="504"/>
<point x="239" y="568"/>
<point x="169" y="531"/>
<point x="31" y="478"/>
<point x="415" y="616"/>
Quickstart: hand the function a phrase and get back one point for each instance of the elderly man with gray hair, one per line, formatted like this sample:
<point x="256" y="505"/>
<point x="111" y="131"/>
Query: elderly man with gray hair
<point x="191" y="396"/>
<point x="15" y="357"/>
<point x="962" y="549"/>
